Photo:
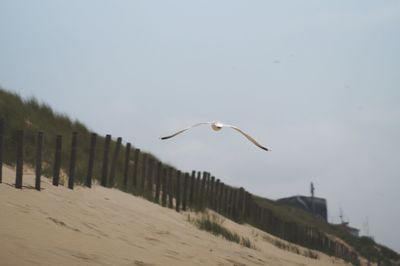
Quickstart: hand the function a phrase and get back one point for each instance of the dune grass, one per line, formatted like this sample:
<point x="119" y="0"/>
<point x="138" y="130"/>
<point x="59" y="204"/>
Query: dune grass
<point x="214" y="224"/>
<point x="32" y="116"/>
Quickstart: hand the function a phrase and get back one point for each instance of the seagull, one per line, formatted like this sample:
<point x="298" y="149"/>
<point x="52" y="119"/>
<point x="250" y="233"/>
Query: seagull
<point x="217" y="126"/>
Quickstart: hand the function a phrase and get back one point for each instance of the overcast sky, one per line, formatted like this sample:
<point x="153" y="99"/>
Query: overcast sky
<point x="315" y="81"/>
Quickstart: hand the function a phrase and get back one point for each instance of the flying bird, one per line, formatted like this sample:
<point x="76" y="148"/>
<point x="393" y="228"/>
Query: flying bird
<point x="217" y="126"/>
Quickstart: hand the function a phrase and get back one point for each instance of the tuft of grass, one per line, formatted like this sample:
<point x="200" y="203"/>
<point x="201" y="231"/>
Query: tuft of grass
<point x="208" y="224"/>
<point x="282" y="245"/>
<point x="310" y="254"/>
<point x="245" y="241"/>
<point x="213" y="224"/>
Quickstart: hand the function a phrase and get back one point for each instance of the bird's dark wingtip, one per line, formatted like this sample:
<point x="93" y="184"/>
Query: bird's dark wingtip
<point x="265" y="149"/>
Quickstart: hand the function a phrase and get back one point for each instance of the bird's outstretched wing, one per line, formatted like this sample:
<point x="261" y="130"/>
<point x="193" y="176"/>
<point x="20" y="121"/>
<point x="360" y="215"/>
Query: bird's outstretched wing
<point x="247" y="136"/>
<point x="183" y="130"/>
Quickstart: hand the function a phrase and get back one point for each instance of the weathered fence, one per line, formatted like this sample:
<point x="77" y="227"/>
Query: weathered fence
<point x="167" y="186"/>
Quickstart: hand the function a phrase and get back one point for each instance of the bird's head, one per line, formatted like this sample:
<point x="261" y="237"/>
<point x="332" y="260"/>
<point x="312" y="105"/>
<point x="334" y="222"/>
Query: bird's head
<point x="217" y="126"/>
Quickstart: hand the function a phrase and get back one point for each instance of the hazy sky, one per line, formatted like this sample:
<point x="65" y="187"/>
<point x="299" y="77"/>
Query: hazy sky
<point x="315" y="81"/>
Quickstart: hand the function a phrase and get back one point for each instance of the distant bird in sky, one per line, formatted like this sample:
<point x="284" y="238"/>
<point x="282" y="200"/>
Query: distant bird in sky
<point x="216" y="126"/>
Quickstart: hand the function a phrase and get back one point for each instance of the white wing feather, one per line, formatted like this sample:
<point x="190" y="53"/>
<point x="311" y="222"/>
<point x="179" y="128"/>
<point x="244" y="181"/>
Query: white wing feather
<point x="183" y="130"/>
<point x="247" y="136"/>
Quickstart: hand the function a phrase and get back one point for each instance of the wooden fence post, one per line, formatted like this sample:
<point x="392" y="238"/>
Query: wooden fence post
<point x="245" y="210"/>
<point x="254" y="212"/>
<point x="295" y="233"/>
<point x="273" y="219"/>
<point x="104" y="170"/>
<point x="92" y="149"/>
<point x="300" y="235"/>
<point x="241" y="204"/>
<point x="263" y="219"/>
<point x="248" y="205"/>
<point x="1" y="148"/>
<point x="178" y="191"/>
<point x="191" y="191"/>
<point x="234" y="205"/>
<point x="144" y="171"/>
<point x="207" y="196"/>
<point x="228" y="210"/>
<point x="202" y="190"/>
<point x="311" y="237"/>
<point x="238" y="205"/>
<point x="304" y="236"/>
<point x="279" y="228"/>
<point x="38" y="166"/>
<point x="20" y="158"/>
<point x="57" y="161"/>
<point x="197" y="190"/>
<point x="216" y="196"/>
<point x="114" y="162"/>
<point x="226" y="200"/>
<point x="231" y="200"/>
<point x="220" y="198"/>
<point x="256" y="209"/>
<point x="284" y="230"/>
<point x="185" y="189"/>
<point x="164" y="187"/>
<point x="292" y="232"/>
<point x="158" y="182"/>
<point x="135" y="168"/>
<point x="72" y="161"/>
<point x="269" y="221"/>
<point x="212" y="193"/>
<point x="150" y="177"/>
<point x="126" y="164"/>
<point x="170" y="188"/>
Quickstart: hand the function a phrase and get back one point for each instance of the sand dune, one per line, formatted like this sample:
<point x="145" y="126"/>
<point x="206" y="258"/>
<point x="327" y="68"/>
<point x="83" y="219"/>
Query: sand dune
<point x="102" y="226"/>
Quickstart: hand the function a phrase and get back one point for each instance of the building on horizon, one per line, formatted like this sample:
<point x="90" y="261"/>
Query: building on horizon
<point x="314" y="205"/>
<point x="346" y="227"/>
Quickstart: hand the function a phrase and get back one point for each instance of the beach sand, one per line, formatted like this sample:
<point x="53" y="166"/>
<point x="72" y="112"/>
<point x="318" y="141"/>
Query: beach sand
<point x="102" y="226"/>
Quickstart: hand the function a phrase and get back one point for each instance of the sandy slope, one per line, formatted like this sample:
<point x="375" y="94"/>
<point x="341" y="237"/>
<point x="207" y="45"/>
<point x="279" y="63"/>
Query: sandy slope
<point x="101" y="226"/>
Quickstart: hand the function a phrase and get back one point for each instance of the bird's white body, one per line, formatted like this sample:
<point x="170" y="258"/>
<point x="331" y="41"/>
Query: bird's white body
<point x="217" y="126"/>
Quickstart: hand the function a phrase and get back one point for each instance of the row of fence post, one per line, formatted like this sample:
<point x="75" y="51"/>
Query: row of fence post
<point x="313" y="238"/>
<point x="171" y="188"/>
<point x="187" y="191"/>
